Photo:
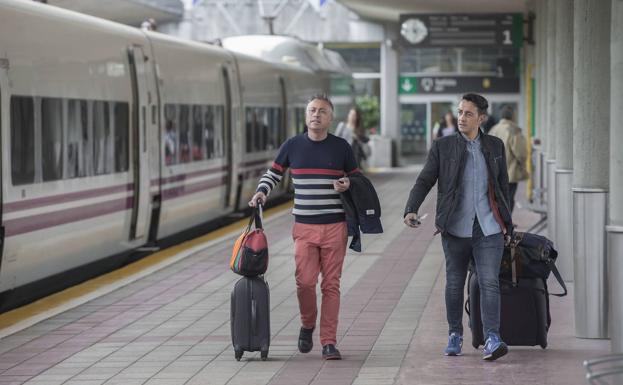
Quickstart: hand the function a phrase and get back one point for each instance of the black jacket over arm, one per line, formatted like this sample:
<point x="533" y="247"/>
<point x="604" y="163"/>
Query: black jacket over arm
<point x="363" y="209"/>
<point x="445" y="164"/>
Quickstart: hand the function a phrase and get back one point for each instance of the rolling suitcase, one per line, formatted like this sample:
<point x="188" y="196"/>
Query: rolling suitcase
<point x="524" y="312"/>
<point x="250" y="318"/>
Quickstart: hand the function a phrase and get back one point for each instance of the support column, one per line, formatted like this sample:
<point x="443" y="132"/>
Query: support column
<point x="615" y="221"/>
<point x="591" y="148"/>
<point x="564" y="138"/>
<point x="541" y="63"/>
<point x="390" y="71"/>
<point x="550" y="136"/>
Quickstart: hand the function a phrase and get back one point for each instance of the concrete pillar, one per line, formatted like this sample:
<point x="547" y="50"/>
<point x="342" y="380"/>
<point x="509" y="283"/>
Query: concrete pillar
<point x="550" y="121"/>
<point x="563" y="199"/>
<point x="615" y="217"/>
<point x="390" y="70"/>
<point x="591" y="148"/>
<point x="537" y="157"/>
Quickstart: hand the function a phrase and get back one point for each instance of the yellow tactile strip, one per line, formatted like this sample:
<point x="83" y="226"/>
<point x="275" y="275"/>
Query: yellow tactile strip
<point x="70" y="294"/>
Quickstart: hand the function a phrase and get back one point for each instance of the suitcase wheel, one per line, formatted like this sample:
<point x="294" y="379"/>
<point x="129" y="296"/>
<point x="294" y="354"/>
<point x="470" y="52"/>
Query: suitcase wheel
<point x="543" y="346"/>
<point x="238" y="354"/>
<point x="264" y="355"/>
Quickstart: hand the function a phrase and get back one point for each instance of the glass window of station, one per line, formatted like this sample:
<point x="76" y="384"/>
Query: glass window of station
<point x="423" y="110"/>
<point x="364" y="90"/>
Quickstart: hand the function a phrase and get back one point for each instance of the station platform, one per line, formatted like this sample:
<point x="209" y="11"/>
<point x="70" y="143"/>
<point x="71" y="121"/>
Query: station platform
<point x="171" y="326"/>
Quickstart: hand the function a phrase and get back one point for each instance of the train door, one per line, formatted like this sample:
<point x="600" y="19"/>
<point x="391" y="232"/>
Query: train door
<point x="227" y="136"/>
<point x="144" y="129"/>
<point x="234" y="136"/>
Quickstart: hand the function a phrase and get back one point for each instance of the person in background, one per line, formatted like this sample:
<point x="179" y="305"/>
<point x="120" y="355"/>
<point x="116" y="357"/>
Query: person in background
<point x="447" y="126"/>
<point x="353" y="132"/>
<point x="472" y="217"/>
<point x="361" y="148"/>
<point x="320" y="164"/>
<point x="346" y="130"/>
<point x="489" y="123"/>
<point x="516" y="151"/>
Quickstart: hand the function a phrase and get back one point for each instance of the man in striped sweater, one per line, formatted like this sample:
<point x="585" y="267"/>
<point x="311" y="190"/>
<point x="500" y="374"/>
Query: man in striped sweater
<point x="320" y="164"/>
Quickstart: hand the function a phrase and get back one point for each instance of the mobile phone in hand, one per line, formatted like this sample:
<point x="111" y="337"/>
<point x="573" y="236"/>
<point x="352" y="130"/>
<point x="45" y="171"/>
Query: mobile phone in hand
<point x="418" y="219"/>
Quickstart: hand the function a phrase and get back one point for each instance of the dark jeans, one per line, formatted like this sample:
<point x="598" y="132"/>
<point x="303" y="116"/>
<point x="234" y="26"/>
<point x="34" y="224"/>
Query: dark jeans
<point x="512" y="189"/>
<point x="487" y="255"/>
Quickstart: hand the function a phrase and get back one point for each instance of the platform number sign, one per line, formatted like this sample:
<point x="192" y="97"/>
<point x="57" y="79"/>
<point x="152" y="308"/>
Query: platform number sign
<point x="462" y="30"/>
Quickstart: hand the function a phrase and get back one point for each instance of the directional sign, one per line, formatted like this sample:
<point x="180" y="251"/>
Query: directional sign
<point x="464" y="30"/>
<point x="408" y="85"/>
<point x="456" y="84"/>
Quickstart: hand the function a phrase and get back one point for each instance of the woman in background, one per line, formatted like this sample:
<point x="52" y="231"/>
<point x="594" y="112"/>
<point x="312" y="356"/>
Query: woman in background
<point x="448" y="125"/>
<point x="355" y="135"/>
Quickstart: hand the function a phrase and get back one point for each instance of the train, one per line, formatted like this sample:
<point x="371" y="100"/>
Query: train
<point x="115" y="138"/>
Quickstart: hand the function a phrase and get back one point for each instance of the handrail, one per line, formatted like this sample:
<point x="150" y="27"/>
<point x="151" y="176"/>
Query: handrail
<point x="598" y="377"/>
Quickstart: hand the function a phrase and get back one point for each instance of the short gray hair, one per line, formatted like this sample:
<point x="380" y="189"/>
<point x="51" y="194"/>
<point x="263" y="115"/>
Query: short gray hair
<point x="322" y="97"/>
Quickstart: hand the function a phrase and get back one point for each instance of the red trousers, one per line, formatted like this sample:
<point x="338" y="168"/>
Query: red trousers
<point x="319" y="249"/>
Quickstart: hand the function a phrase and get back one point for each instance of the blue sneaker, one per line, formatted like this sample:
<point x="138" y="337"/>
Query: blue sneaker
<point x="455" y="343"/>
<point x="494" y="348"/>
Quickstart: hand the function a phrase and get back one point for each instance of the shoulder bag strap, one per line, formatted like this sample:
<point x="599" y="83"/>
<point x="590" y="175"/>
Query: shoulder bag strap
<point x="554" y="269"/>
<point x="514" y="264"/>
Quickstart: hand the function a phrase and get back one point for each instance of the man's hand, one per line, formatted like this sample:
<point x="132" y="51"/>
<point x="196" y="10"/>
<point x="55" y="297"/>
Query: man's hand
<point x="341" y="184"/>
<point x="412" y="220"/>
<point x="258" y="197"/>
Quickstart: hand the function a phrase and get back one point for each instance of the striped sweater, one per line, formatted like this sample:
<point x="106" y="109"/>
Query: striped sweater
<point x="314" y="166"/>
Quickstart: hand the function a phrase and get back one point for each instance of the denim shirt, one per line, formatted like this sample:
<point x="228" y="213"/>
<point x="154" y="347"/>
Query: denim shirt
<point x="472" y="198"/>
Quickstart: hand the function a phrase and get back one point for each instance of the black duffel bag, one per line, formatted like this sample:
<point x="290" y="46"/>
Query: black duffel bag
<point x="530" y="256"/>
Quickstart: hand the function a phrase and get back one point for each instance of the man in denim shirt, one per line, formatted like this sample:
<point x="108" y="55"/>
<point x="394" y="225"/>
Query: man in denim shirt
<point x="472" y="215"/>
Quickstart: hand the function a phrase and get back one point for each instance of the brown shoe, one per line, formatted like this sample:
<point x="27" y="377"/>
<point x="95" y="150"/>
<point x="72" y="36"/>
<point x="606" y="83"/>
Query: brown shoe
<point x="330" y="352"/>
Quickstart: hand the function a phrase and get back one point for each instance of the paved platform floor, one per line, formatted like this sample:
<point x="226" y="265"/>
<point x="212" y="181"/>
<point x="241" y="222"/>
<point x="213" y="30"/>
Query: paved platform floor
<point x="172" y="327"/>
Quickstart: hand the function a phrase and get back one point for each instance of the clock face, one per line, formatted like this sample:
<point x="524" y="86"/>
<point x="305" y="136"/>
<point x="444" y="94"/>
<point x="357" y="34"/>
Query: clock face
<point x="413" y="30"/>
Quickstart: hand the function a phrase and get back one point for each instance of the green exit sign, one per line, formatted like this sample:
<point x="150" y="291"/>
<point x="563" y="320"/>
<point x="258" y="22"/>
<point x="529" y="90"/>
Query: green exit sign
<point x="407" y="85"/>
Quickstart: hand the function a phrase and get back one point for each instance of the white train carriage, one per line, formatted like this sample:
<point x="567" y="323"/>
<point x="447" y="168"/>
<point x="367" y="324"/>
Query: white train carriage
<point x="195" y="158"/>
<point x="114" y="138"/>
<point x="69" y="180"/>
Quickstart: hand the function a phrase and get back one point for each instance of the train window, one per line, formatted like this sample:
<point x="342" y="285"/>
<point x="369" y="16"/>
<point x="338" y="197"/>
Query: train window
<point x="22" y="140"/>
<point x="208" y="131"/>
<point x="299" y="120"/>
<point x="52" y="138"/>
<point x="121" y="130"/>
<point x="275" y="134"/>
<point x="219" y="124"/>
<point x="261" y="128"/>
<point x="86" y="161"/>
<point x="250" y="128"/>
<point x="198" y="151"/>
<point x="102" y="163"/>
<point x="185" y="133"/>
<point x="265" y="128"/>
<point x="170" y="135"/>
<point x="77" y="115"/>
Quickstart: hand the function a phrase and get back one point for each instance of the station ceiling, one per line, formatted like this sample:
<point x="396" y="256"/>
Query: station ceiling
<point x="390" y="10"/>
<point x="131" y="12"/>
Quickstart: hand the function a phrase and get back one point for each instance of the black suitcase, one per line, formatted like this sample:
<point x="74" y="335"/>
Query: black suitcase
<point x="524" y="312"/>
<point x="250" y="318"/>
